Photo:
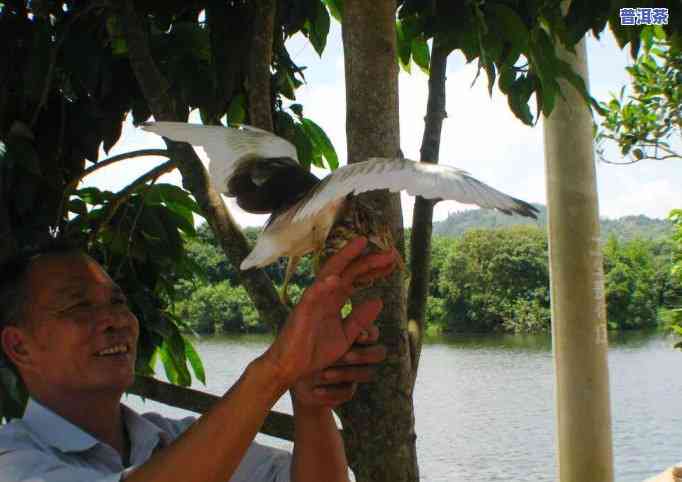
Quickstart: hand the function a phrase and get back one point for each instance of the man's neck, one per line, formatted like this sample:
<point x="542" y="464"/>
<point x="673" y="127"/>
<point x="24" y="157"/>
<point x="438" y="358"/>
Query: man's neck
<point x="98" y="414"/>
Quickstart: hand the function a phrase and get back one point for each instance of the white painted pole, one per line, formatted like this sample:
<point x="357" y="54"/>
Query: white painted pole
<point x="577" y="288"/>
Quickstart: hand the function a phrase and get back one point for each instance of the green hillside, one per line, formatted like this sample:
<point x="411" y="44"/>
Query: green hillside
<point x="624" y="228"/>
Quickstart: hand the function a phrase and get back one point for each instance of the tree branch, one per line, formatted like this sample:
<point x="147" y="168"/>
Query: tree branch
<point x="422" y="218"/>
<point x="111" y="160"/>
<point x="194" y="176"/>
<point x="276" y="424"/>
<point x="73" y="184"/>
<point x="260" y="95"/>
<point x="126" y="192"/>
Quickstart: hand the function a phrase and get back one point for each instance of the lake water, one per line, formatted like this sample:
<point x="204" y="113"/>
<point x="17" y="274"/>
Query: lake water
<point x="484" y="404"/>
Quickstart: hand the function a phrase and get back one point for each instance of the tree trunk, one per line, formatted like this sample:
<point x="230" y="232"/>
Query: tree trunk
<point x="577" y="288"/>
<point x="422" y="217"/>
<point x="379" y="422"/>
<point x="260" y="62"/>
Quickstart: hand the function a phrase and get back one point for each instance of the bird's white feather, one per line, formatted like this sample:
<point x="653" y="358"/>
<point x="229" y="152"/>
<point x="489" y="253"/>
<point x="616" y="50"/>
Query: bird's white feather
<point x="225" y="147"/>
<point x="431" y="181"/>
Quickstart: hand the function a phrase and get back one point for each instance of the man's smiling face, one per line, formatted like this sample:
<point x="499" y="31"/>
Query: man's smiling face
<point x="81" y="334"/>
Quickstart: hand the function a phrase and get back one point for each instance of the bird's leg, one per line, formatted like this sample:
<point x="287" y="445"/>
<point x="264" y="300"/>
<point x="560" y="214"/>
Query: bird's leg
<point x="318" y="251"/>
<point x="292" y="263"/>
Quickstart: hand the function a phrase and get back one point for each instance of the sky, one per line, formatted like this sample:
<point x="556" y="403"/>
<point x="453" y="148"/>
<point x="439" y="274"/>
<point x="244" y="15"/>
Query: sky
<point x="480" y="135"/>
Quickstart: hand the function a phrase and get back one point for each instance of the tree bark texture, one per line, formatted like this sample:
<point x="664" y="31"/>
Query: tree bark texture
<point x="379" y="422"/>
<point x="194" y="176"/>
<point x="422" y="218"/>
<point x="577" y="288"/>
<point x="260" y="95"/>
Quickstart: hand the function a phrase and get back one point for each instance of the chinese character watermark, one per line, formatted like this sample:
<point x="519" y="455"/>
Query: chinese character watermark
<point x="644" y="16"/>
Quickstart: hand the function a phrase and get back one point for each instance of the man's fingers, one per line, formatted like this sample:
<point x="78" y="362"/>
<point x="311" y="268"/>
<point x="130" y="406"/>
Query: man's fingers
<point x="357" y="374"/>
<point x="337" y="263"/>
<point x="323" y="289"/>
<point x="361" y="318"/>
<point x="368" y="264"/>
<point x="362" y="355"/>
<point x="374" y="275"/>
<point x="335" y="394"/>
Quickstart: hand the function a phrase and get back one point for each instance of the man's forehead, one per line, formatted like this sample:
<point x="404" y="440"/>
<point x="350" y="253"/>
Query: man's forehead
<point x="65" y="273"/>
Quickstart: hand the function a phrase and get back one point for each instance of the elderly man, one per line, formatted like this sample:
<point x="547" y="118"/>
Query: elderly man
<point x="68" y="331"/>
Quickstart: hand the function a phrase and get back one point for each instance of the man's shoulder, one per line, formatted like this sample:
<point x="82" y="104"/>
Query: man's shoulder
<point x="173" y="427"/>
<point x="17" y="435"/>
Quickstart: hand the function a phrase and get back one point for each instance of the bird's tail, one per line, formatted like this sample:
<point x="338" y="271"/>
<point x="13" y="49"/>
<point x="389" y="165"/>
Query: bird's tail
<point x="265" y="252"/>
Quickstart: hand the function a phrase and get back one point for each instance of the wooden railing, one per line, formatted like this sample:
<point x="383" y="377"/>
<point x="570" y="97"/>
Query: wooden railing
<point x="276" y="424"/>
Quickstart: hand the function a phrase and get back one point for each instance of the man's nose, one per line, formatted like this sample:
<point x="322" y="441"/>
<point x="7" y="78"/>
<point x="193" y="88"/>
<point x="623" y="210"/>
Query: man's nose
<point x="114" y="317"/>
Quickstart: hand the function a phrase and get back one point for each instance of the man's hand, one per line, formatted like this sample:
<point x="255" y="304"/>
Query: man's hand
<point x="335" y="385"/>
<point x="315" y="336"/>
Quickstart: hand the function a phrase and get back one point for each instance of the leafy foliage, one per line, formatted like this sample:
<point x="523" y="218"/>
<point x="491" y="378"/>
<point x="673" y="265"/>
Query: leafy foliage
<point x="647" y="123"/>
<point x="497" y="280"/>
<point x="676" y="273"/>
<point x="631" y="292"/>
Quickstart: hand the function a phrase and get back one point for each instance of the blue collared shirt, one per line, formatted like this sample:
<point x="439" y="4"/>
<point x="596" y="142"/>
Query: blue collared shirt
<point x="44" y="447"/>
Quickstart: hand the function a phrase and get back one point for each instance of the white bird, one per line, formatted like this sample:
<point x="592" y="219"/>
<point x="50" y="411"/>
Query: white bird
<point x="262" y="172"/>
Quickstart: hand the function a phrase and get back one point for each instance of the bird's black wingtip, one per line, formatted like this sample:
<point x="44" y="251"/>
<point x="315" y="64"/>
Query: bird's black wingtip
<point x="528" y="210"/>
<point x="524" y="209"/>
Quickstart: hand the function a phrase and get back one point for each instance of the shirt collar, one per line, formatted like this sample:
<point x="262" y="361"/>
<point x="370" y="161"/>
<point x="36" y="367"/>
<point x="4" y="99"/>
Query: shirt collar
<point x="67" y="437"/>
<point x="56" y="430"/>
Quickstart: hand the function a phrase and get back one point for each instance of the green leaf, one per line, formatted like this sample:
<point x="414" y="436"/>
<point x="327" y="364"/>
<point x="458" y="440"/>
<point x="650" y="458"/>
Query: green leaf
<point x="285" y="84"/>
<point x="304" y="145"/>
<point x="321" y="143"/>
<point x="510" y="25"/>
<point x="404" y="46"/>
<point x="195" y="361"/>
<point x="168" y="364"/>
<point x="175" y="346"/>
<point x="91" y="195"/>
<point x="170" y="194"/>
<point x="518" y="98"/>
<point x="507" y="78"/>
<point x="420" y="54"/>
<point x="78" y="206"/>
<point x="319" y="29"/>
<point x="236" y="112"/>
<point x="335" y="8"/>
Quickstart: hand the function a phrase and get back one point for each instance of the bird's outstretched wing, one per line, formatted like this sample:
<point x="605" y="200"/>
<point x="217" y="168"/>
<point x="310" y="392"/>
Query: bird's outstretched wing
<point x="418" y="179"/>
<point x="255" y="166"/>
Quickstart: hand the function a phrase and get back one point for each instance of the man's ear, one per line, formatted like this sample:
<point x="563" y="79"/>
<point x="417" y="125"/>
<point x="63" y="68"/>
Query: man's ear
<point x="14" y="343"/>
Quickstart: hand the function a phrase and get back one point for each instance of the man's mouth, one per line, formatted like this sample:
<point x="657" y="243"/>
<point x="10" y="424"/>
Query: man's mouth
<point x="113" y="350"/>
